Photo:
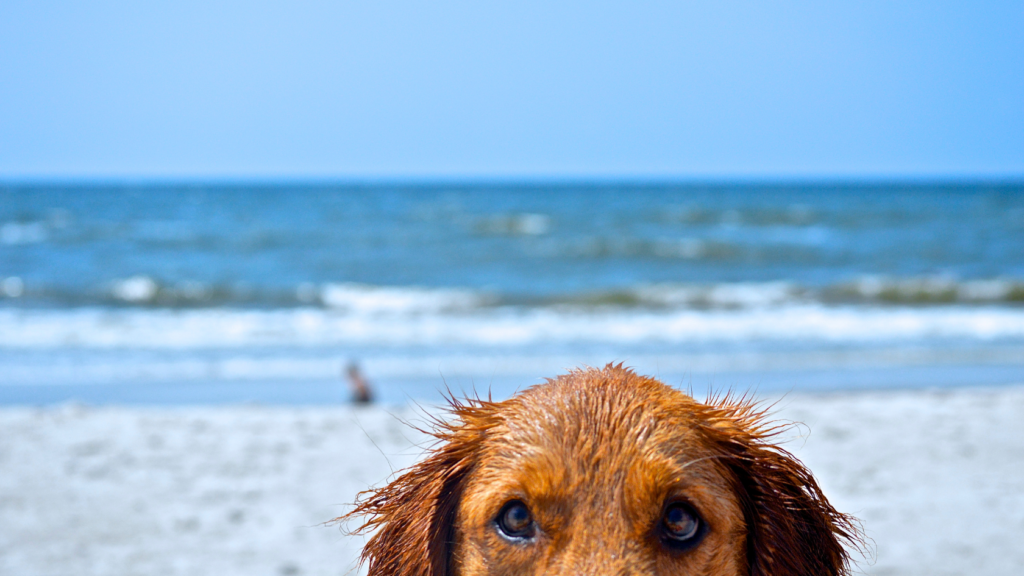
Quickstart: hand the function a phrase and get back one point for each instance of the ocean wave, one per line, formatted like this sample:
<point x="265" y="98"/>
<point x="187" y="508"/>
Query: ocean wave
<point x="868" y="290"/>
<point x="601" y="248"/>
<point x="793" y="215"/>
<point x="926" y="290"/>
<point x="503" y="326"/>
<point x="356" y="298"/>
<point x="13" y="233"/>
<point x="733" y="295"/>
<point x="367" y="299"/>
<point x="144" y="290"/>
<point x="350" y="297"/>
<point x="12" y="287"/>
<point x="525" y="224"/>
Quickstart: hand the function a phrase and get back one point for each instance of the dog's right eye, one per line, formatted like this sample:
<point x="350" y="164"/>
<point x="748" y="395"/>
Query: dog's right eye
<point x="515" y="521"/>
<point x="681" y="526"/>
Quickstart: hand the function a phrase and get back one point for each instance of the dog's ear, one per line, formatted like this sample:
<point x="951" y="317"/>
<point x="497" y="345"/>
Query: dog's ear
<point x="792" y="530"/>
<point x="413" y="517"/>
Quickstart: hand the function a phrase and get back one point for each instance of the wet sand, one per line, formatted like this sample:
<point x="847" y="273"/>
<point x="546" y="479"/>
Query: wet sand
<point x="937" y="477"/>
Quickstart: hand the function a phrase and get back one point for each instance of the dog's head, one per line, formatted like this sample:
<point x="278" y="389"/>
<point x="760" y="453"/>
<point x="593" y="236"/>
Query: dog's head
<point x="603" y="472"/>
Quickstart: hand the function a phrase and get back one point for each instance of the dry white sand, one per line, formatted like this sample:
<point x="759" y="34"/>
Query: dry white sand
<point x="936" y="477"/>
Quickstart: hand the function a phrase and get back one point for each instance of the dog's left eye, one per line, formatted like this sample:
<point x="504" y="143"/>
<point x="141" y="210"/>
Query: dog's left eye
<point x="681" y="525"/>
<point x="515" y="521"/>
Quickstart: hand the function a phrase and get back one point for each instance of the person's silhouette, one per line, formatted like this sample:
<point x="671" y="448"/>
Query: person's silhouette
<point x="361" y="393"/>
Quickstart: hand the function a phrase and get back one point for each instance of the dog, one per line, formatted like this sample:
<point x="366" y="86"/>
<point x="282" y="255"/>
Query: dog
<point x="605" y="473"/>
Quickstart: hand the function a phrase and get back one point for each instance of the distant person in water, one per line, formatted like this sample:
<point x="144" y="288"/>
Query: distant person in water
<point x="361" y="393"/>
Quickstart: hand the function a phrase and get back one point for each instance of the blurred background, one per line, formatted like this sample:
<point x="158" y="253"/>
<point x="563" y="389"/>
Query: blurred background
<point x="226" y="293"/>
<point x="214" y="214"/>
<point x="228" y="202"/>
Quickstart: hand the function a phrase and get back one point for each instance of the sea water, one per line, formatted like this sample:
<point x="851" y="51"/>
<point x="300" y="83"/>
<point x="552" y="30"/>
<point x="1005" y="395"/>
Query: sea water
<point x="160" y="293"/>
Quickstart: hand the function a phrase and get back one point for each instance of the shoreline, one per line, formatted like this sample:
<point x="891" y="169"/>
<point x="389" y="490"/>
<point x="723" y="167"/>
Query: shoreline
<point x="936" y="476"/>
<point x="395" y="391"/>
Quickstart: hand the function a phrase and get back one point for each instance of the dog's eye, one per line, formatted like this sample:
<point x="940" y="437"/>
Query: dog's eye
<point x="681" y="524"/>
<point x="515" y="521"/>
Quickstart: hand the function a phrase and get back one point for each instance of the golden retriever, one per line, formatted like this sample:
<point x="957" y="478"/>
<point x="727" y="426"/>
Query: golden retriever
<point x="604" y="473"/>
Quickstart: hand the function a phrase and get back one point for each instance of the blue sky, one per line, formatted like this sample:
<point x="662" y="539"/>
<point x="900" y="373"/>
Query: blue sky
<point x="522" y="89"/>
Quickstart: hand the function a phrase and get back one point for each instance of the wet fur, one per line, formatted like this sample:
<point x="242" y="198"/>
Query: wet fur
<point x="608" y="444"/>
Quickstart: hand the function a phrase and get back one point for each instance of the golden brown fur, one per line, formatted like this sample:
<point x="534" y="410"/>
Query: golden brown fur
<point x="605" y="463"/>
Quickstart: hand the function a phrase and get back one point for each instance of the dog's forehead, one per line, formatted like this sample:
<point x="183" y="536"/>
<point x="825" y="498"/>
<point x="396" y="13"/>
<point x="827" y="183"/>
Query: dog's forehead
<point x="596" y="418"/>
<point x="599" y="401"/>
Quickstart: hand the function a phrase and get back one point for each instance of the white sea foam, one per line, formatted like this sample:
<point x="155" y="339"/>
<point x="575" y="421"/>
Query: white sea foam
<point x="735" y="295"/>
<point x="136" y="289"/>
<point x="12" y="287"/>
<point x="913" y="290"/>
<point x="23" y="233"/>
<point x="367" y="299"/>
<point x="931" y="289"/>
<point x="305" y="327"/>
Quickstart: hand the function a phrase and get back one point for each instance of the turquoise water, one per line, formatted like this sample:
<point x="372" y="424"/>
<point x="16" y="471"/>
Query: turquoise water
<point x="225" y="293"/>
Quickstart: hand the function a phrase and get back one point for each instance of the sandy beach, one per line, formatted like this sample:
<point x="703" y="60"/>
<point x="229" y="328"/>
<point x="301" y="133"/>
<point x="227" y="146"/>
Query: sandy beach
<point x="936" y="477"/>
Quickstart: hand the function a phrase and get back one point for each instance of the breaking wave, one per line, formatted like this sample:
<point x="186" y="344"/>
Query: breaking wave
<point x="146" y="291"/>
<point x="502" y="326"/>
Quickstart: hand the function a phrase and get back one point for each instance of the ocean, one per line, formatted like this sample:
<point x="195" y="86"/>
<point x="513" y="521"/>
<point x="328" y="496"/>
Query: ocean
<point x="234" y="293"/>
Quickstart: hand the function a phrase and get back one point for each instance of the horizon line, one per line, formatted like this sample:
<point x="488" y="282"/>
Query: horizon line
<point x="524" y="180"/>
